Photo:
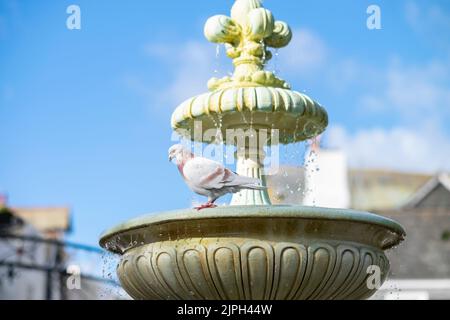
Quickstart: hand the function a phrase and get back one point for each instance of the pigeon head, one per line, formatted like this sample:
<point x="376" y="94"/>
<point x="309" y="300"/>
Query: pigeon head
<point x="179" y="153"/>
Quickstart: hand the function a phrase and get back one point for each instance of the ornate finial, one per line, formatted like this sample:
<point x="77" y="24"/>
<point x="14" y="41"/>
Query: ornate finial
<point x="246" y="35"/>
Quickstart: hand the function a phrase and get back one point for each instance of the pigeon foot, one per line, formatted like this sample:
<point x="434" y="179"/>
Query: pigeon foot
<point x="205" y="206"/>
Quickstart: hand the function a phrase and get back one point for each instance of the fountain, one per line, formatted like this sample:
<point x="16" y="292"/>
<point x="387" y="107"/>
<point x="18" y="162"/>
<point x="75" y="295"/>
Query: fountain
<point x="252" y="249"/>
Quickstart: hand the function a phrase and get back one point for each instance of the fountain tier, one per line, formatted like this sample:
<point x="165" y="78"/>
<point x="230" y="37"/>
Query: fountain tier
<point x="296" y="116"/>
<point x="257" y="252"/>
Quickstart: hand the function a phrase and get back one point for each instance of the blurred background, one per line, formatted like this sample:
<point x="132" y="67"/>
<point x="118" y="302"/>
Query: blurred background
<point x="85" y="128"/>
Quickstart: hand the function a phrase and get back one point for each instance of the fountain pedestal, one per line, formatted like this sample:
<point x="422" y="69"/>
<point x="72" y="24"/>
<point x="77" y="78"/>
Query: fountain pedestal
<point x="251" y="249"/>
<point x="250" y="163"/>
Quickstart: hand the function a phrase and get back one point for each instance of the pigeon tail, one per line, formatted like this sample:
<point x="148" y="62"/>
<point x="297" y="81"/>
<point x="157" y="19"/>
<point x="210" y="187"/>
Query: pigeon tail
<point x="243" y="180"/>
<point x="248" y="183"/>
<point x="253" y="187"/>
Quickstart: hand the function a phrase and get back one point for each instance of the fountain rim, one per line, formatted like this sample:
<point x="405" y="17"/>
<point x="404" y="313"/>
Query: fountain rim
<point x="257" y="211"/>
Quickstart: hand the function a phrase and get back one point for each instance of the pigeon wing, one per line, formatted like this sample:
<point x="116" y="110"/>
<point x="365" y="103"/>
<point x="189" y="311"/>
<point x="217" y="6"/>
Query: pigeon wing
<point x="209" y="174"/>
<point x="206" y="173"/>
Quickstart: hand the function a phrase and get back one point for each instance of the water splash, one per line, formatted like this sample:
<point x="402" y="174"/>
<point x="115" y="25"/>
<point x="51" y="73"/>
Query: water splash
<point x="264" y="57"/>
<point x="275" y="62"/>
<point x="111" y="290"/>
<point x="217" y="60"/>
<point x="311" y="169"/>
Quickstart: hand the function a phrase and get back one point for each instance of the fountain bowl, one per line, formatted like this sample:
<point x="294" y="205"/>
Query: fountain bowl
<point x="252" y="253"/>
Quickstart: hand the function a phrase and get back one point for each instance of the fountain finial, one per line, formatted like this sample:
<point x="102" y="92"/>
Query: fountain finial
<point x="247" y="34"/>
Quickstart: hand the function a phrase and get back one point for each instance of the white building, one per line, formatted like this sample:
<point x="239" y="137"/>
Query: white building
<point x="326" y="179"/>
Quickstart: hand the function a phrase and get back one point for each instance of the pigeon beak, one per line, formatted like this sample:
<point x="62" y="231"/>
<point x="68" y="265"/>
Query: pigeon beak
<point x="170" y="158"/>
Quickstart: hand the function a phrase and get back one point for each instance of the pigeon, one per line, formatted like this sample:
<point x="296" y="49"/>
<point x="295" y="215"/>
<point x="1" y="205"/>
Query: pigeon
<point x="209" y="178"/>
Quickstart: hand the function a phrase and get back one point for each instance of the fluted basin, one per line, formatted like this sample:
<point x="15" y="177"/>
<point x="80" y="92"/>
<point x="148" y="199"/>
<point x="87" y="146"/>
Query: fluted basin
<point x="252" y="252"/>
<point x="295" y="115"/>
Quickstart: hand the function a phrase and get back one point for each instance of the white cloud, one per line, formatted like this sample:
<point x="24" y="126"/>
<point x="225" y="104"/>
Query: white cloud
<point x="306" y="52"/>
<point x="193" y="63"/>
<point x="193" y="68"/>
<point x="418" y="88"/>
<point x="189" y="65"/>
<point x="415" y="93"/>
<point x="414" y="97"/>
<point x="427" y="20"/>
<point x="350" y="76"/>
<point x="423" y="149"/>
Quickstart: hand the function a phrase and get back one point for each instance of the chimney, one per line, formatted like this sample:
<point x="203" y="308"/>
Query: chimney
<point x="3" y="200"/>
<point x="315" y="144"/>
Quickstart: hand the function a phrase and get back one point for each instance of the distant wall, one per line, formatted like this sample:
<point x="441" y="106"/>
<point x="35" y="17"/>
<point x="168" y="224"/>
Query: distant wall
<point x="426" y="251"/>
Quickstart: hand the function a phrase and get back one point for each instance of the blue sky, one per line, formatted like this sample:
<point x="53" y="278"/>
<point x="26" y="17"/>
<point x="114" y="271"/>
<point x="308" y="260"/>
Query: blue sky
<point x="85" y="114"/>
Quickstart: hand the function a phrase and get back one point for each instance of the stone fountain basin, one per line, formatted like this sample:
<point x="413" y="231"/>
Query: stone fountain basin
<point x="252" y="253"/>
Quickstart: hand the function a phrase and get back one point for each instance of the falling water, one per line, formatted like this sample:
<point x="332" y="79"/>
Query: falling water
<point x="275" y="62"/>
<point x="264" y="52"/>
<point x="311" y="169"/>
<point x="290" y="177"/>
<point x="217" y="60"/>
<point x="112" y="290"/>
<point x="219" y="124"/>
